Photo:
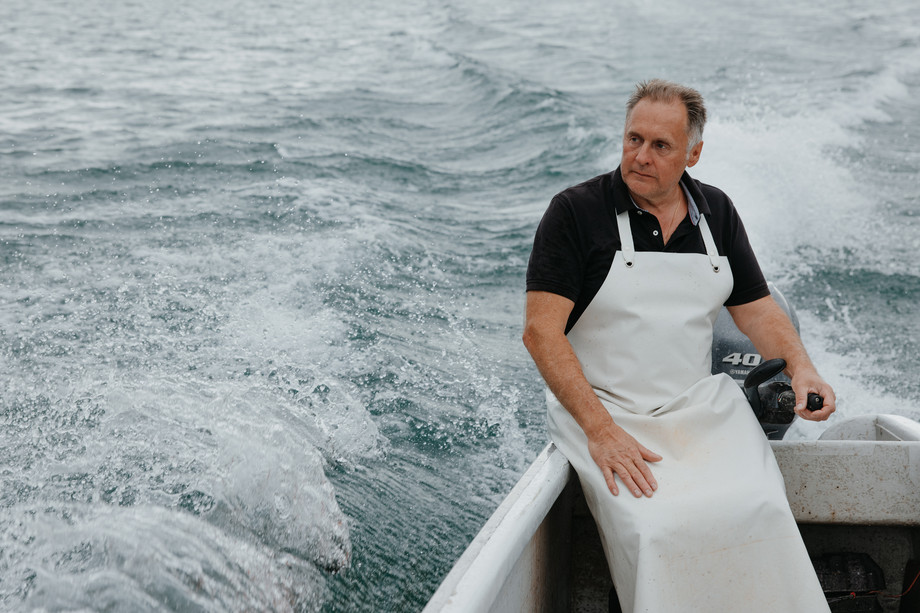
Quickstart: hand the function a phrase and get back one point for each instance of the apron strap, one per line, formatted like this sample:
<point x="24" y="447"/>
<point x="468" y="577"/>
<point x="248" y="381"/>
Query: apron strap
<point x="626" y="239"/>
<point x="629" y="249"/>
<point x="711" y="250"/>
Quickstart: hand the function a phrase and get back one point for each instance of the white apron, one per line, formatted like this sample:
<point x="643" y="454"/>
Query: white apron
<point x="718" y="535"/>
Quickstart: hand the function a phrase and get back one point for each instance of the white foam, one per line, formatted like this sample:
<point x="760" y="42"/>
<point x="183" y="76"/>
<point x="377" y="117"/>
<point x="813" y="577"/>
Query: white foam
<point x="143" y="557"/>
<point x="805" y="204"/>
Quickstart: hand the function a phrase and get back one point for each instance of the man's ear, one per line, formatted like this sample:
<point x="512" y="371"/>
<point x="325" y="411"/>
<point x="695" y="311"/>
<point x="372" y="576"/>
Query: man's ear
<point x="694" y="156"/>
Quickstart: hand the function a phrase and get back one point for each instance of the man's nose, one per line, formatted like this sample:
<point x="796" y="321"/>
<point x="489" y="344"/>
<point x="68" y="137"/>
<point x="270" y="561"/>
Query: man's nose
<point x="643" y="156"/>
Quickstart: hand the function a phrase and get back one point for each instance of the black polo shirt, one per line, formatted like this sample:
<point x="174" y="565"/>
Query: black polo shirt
<point x="577" y="239"/>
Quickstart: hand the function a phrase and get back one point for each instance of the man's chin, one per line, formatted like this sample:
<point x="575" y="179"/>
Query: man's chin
<point x="640" y="185"/>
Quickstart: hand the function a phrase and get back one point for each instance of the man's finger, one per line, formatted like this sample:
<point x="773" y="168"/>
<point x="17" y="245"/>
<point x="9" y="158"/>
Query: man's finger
<point x="647" y="473"/>
<point x="639" y="484"/>
<point x="611" y="482"/>
<point x="648" y="455"/>
<point x="819" y="415"/>
<point x="630" y="484"/>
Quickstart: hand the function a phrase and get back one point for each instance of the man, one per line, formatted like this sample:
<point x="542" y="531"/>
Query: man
<point x="628" y="273"/>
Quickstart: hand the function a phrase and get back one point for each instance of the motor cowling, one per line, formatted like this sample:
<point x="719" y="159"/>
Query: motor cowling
<point x="770" y="394"/>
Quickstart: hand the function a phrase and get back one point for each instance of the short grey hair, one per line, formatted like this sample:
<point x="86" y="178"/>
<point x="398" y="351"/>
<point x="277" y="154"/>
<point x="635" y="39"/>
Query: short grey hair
<point x="659" y="90"/>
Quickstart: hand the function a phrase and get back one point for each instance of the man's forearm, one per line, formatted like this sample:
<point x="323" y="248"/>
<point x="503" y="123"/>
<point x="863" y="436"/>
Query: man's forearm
<point x="774" y="336"/>
<point x="562" y="371"/>
<point x="613" y="449"/>
<point x="772" y="333"/>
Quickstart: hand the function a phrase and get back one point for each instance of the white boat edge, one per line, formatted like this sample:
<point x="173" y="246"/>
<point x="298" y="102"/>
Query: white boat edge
<point x="476" y="580"/>
<point x="862" y="471"/>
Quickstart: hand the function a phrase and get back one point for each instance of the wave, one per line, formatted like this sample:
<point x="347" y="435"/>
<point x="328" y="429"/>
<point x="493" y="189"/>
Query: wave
<point x="143" y="558"/>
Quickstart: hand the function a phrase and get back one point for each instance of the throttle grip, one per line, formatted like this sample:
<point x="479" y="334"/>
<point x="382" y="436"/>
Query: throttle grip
<point x="814" y="402"/>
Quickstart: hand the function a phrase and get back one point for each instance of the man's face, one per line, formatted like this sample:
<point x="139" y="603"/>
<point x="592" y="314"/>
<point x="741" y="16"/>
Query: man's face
<point x="655" y="150"/>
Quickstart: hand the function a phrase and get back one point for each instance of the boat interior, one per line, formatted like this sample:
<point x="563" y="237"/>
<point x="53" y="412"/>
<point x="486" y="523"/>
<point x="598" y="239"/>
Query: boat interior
<point x="895" y="549"/>
<point x="855" y="494"/>
<point x="865" y="544"/>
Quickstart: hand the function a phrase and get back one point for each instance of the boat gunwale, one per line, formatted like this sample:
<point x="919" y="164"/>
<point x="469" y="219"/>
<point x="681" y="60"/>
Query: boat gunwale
<point x="503" y="538"/>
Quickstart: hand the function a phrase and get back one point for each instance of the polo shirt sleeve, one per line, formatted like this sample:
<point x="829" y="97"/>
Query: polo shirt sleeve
<point x="749" y="282"/>
<point x="557" y="262"/>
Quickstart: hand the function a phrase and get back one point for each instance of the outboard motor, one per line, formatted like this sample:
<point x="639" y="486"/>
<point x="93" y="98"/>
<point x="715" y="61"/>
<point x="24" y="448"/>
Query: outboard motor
<point x="766" y="387"/>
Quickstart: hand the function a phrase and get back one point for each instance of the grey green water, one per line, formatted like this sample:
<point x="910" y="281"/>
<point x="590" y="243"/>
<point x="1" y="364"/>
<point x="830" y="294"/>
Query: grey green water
<point x="261" y="265"/>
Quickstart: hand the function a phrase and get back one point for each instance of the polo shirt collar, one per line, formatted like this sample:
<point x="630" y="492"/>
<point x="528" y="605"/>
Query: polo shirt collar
<point x="696" y="202"/>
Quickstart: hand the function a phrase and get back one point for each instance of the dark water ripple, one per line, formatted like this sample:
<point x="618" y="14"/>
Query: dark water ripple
<point x="861" y="305"/>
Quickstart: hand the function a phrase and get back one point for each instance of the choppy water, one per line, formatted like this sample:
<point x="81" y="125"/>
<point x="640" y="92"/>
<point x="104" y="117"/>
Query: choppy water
<point x="261" y="265"/>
